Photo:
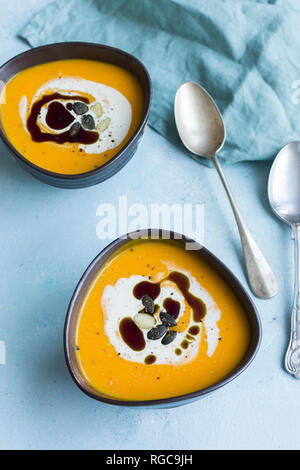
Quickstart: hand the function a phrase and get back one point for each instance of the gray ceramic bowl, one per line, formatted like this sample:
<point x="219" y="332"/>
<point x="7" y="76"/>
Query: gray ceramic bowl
<point x="80" y="50"/>
<point x="84" y="285"/>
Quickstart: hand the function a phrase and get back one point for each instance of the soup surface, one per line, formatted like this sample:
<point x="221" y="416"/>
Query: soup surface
<point x="158" y="322"/>
<point x="71" y="116"/>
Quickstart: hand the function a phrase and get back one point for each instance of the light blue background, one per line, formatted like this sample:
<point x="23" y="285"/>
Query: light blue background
<point x="48" y="237"/>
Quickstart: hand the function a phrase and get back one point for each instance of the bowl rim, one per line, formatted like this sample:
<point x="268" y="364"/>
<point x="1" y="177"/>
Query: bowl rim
<point x="148" y="100"/>
<point x="115" y="245"/>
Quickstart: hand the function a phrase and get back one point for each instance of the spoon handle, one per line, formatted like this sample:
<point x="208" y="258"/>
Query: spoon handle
<point x="261" y="278"/>
<point x="292" y="358"/>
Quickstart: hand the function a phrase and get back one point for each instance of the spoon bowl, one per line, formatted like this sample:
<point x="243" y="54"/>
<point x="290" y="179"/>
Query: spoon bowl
<point x="283" y="188"/>
<point x="198" y="120"/>
<point x="202" y="131"/>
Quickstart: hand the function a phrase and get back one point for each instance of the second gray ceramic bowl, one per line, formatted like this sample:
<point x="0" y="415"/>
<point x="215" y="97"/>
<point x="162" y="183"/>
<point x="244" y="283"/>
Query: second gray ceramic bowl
<point x="80" y="50"/>
<point x="84" y="285"/>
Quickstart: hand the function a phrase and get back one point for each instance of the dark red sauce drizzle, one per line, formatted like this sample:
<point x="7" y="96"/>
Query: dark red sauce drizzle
<point x="58" y="117"/>
<point x="172" y="307"/>
<point x="182" y="282"/>
<point x="194" y="330"/>
<point x="190" y="337"/>
<point x="147" y="288"/>
<point x="57" y="121"/>
<point x="132" y="335"/>
<point x="196" y="304"/>
<point x="150" y="359"/>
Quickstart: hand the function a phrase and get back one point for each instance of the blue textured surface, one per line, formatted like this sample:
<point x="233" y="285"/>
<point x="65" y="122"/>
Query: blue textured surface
<point x="48" y="237"/>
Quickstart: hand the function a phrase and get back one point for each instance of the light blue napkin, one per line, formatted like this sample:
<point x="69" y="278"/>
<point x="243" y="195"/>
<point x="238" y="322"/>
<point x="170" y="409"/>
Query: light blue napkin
<point x="244" y="52"/>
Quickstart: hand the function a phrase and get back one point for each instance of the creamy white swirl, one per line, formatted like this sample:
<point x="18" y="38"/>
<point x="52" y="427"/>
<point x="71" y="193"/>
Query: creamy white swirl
<point x="118" y="302"/>
<point x="114" y="104"/>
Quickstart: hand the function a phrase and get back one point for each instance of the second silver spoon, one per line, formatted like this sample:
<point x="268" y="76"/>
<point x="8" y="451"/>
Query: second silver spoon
<point x="202" y="131"/>
<point x="284" y="197"/>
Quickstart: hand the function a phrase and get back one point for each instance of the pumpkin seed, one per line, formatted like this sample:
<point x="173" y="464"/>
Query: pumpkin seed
<point x="97" y="109"/>
<point x="144" y="321"/>
<point x="74" y="130"/>
<point x="157" y="332"/>
<point x="167" y="319"/>
<point x="169" y="337"/>
<point x="80" y="108"/>
<point x="88" y="122"/>
<point x="148" y="304"/>
<point x="103" y="125"/>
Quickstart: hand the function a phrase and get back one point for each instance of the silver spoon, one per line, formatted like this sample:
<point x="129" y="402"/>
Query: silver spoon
<point x="284" y="197"/>
<point x="201" y="129"/>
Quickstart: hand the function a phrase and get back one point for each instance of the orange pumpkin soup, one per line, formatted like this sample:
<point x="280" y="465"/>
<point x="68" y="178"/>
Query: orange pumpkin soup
<point x="71" y="116"/>
<point x="158" y="322"/>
